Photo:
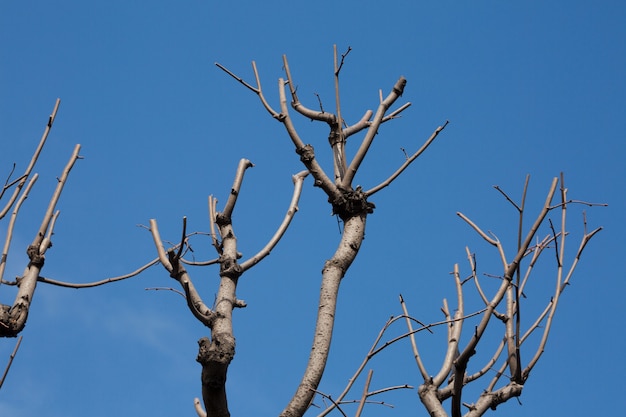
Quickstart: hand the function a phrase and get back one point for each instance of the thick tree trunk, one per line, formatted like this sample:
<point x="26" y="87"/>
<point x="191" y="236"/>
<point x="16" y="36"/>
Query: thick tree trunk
<point x="334" y="270"/>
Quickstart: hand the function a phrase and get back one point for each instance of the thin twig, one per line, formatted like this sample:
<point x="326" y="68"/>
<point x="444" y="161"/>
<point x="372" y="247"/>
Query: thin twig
<point x="408" y="161"/>
<point x="33" y="160"/>
<point x="11" y="357"/>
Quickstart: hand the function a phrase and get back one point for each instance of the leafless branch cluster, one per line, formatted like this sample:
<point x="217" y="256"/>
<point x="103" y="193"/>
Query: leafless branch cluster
<point x="348" y="202"/>
<point x="216" y="353"/>
<point x="503" y="306"/>
<point x="13" y="317"/>
<point x="512" y="359"/>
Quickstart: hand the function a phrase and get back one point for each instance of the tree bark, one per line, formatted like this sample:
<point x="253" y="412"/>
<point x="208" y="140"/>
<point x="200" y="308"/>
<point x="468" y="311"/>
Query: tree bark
<point x="334" y="270"/>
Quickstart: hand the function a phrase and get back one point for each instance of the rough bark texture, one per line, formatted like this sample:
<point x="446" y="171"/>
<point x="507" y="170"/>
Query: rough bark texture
<point x="13" y="318"/>
<point x="334" y="270"/>
<point x="216" y="354"/>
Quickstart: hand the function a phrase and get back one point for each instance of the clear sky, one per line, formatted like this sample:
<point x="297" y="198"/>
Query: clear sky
<point x="528" y="87"/>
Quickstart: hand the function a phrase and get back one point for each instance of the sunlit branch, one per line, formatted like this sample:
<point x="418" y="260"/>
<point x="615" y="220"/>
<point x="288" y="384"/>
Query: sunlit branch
<point x="212" y="219"/>
<point x="482" y="234"/>
<point x="416" y="355"/>
<point x="335" y="404"/>
<point x="11" y="357"/>
<point x="258" y="90"/>
<point x="298" y="106"/>
<point x="451" y="358"/>
<point x="198" y="407"/>
<point x="409" y="160"/>
<point x="358" y="126"/>
<point x="298" y="180"/>
<point x="11" y="226"/>
<point x="33" y="160"/>
<point x="307" y="155"/>
<point x="55" y="198"/>
<point x="158" y="243"/>
<point x="101" y="282"/>
<point x="340" y="142"/>
<point x="364" y="395"/>
<point x="396" y="92"/>
<point x="234" y="191"/>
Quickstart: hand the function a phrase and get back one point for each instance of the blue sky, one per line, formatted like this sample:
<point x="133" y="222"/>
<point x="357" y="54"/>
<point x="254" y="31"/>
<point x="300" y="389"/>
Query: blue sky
<point x="529" y="88"/>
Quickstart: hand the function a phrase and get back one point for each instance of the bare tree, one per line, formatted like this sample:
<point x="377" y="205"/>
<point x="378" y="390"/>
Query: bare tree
<point x="506" y="370"/>
<point x="13" y="317"/>
<point x="349" y="203"/>
<point x="507" y="380"/>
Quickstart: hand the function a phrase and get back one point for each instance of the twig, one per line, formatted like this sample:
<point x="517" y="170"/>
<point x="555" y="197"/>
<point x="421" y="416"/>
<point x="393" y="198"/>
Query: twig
<point x="408" y="161"/>
<point x="364" y="395"/>
<point x="154" y="229"/>
<point x="11" y="226"/>
<point x="258" y="90"/>
<point x="98" y="283"/>
<point x="11" y="357"/>
<point x="166" y="289"/>
<point x="416" y="355"/>
<point x="33" y="160"/>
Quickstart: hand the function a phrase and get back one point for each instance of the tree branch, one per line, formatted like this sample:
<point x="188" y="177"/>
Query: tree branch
<point x="396" y="92"/>
<point x="407" y="162"/>
<point x="33" y="161"/>
<point x="298" y="180"/>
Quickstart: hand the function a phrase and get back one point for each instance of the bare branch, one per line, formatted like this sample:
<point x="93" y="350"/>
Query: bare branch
<point x="154" y="229"/>
<point x="366" y="386"/>
<point x="11" y="226"/>
<point x="212" y="219"/>
<point x="451" y="359"/>
<point x="416" y="355"/>
<point x="343" y="57"/>
<point x="408" y="160"/>
<point x="307" y="155"/>
<point x="482" y="234"/>
<point x="11" y="357"/>
<point x="358" y="126"/>
<point x="101" y="282"/>
<point x="299" y="107"/>
<point x="396" y="92"/>
<point x="198" y="407"/>
<point x="340" y="142"/>
<point x="55" y="197"/>
<point x="234" y="191"/>
<point x="258" y="90"/>
<point x="335" y="404"/>
<point x="33" y="160"/>
<point x="298" y="180"/>
<point x="13" y="319"/>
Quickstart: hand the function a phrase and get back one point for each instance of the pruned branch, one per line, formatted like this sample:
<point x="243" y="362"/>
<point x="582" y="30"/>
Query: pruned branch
<point x="234" y="191"/>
